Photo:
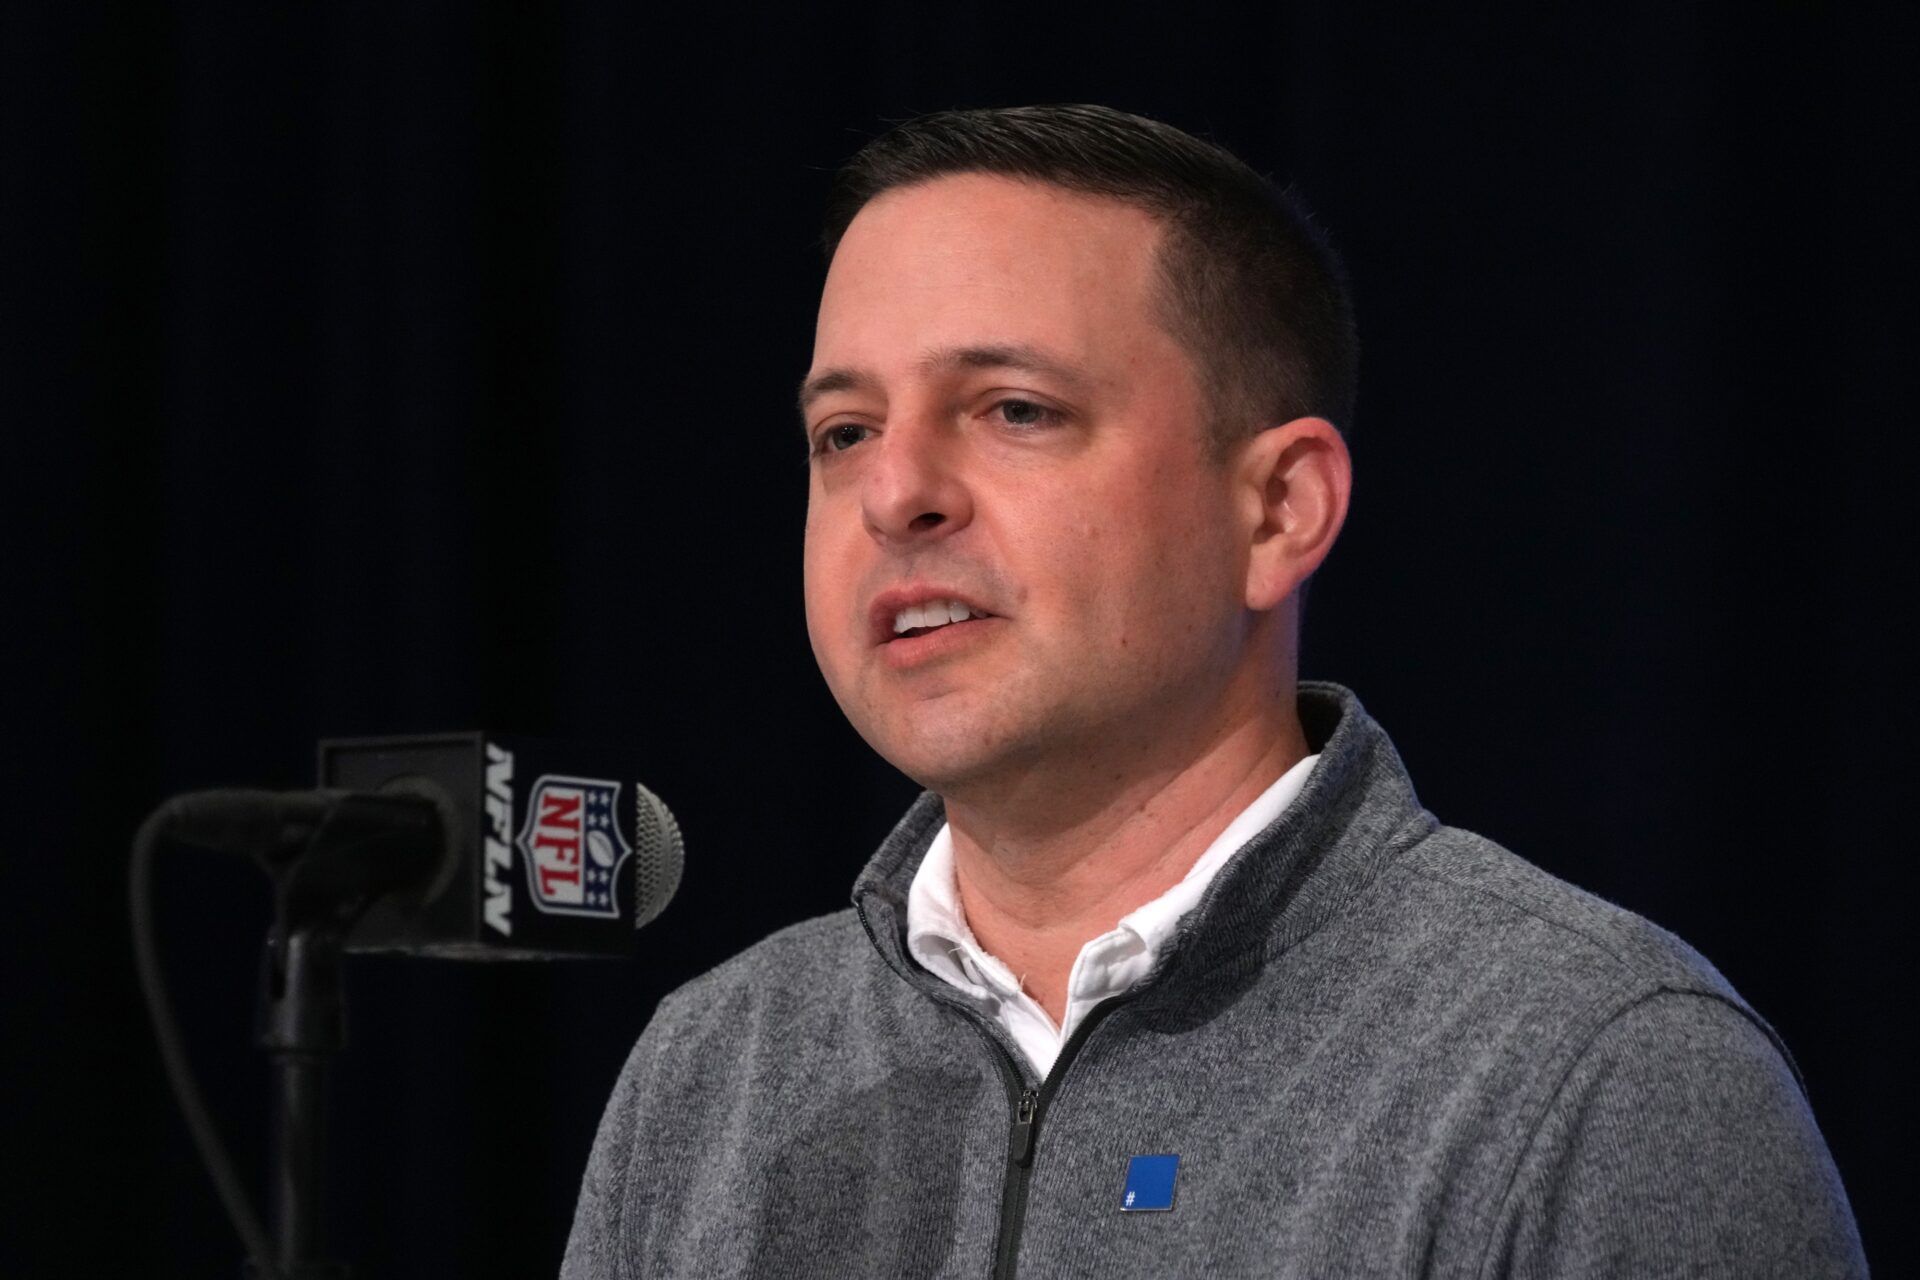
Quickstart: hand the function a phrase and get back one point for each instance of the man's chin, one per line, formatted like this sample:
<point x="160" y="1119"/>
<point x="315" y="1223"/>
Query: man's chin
<point x="950" y="755"/>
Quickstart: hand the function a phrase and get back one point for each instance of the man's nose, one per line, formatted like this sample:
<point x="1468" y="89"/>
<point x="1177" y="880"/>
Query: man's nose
<point x="915" y="488"/>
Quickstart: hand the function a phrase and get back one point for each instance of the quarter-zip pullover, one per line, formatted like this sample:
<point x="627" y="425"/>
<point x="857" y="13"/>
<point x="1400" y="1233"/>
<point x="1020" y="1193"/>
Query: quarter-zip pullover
<point x="1379" y="1046"/>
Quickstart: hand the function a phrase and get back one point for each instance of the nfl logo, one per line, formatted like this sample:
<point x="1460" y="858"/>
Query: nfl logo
<point x="573" y="847"/>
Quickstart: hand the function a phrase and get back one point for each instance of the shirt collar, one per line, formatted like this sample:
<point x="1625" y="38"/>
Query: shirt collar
<point x="1155" y="921"/>
<point x="939" y="938"/>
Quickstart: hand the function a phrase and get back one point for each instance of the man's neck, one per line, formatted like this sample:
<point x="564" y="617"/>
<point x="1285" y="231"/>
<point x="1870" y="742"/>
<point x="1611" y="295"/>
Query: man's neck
<point x="1037" y="886"/>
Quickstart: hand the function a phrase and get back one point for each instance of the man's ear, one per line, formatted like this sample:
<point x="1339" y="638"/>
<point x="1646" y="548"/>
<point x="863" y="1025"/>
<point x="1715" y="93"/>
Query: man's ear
<point x="1294" y="481"/>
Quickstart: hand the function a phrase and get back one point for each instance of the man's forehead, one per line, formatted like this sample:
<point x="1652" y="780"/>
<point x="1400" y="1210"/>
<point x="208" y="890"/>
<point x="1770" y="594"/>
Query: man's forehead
<point x="980" y="271"/>
<point x="982" y="220"/>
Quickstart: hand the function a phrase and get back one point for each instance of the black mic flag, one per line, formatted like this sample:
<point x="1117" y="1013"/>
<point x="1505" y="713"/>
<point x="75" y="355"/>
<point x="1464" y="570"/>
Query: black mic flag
<point x="552" y="849"/>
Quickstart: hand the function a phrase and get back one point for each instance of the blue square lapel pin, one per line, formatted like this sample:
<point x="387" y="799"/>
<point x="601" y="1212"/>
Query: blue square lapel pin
<point x="1149" y="1184"/>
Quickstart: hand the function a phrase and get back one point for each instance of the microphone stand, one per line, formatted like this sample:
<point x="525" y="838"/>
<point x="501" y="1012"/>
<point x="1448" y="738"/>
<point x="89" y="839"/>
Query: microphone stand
<point x="364" y="848"/>
<point x="302" y="1024"/>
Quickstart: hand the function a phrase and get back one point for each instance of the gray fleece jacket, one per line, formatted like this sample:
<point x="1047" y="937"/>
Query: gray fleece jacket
<point x="1378" y="1047"/>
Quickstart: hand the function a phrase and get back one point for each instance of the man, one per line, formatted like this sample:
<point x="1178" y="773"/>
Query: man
<point x="1168" y="973"/>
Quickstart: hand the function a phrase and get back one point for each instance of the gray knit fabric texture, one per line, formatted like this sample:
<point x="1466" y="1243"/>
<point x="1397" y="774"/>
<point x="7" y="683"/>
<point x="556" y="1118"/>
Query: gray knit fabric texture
<point x="1379" y="1046"/>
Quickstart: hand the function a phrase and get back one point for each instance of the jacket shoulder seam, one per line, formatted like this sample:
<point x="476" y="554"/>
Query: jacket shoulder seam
<point x="1572" y="1064"/>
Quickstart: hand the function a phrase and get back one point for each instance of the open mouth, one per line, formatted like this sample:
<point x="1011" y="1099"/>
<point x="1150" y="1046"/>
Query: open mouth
<point x="931" y="616"/>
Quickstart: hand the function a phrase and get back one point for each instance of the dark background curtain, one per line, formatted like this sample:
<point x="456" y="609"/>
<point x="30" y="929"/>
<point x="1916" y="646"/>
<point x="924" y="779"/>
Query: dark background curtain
<point x="373" y="368"/>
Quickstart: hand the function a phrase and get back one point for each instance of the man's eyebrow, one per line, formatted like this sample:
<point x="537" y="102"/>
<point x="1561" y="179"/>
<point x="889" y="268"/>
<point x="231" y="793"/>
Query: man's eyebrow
<point x="1010" y="355"/>
<point x="828" y="381"/>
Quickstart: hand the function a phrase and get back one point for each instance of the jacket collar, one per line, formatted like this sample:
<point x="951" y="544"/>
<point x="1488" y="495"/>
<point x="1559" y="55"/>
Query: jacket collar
<point x="1356" y="812"/>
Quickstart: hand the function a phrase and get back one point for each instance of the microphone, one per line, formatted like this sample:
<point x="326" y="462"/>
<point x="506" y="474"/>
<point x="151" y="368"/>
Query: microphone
<point x="547" y="851"/>
<point x="468" y="846"/>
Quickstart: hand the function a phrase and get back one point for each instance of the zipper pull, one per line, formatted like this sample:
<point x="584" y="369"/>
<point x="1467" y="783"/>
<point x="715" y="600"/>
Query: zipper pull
<point x="1022" y="1149"/>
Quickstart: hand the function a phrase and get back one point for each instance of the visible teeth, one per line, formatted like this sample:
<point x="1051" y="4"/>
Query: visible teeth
<point x="934" y="613"/>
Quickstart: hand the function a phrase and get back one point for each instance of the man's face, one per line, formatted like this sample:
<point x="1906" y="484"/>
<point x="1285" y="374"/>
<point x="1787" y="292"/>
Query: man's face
<point x="999" y="422"/>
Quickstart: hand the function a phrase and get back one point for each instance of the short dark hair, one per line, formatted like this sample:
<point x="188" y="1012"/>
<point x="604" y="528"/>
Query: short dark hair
<point x="1249" y="285"/>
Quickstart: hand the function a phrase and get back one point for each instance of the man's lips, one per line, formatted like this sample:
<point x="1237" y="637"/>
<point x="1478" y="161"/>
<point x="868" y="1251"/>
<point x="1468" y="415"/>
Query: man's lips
<point x="916" y="612"/>
<point x="918" y="648"/>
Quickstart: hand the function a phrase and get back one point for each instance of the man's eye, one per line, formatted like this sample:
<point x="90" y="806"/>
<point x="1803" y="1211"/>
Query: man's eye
<point x="1026" y="413"/>
<point x="840" y="437"/>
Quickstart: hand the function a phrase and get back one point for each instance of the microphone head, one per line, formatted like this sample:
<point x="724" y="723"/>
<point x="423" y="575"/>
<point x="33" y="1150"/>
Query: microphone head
<point x="551" y="851"/>
<point x="658" y="856"/>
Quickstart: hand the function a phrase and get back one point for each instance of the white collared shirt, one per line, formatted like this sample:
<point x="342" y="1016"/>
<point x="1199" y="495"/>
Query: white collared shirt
<point x="938" y="936"/>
